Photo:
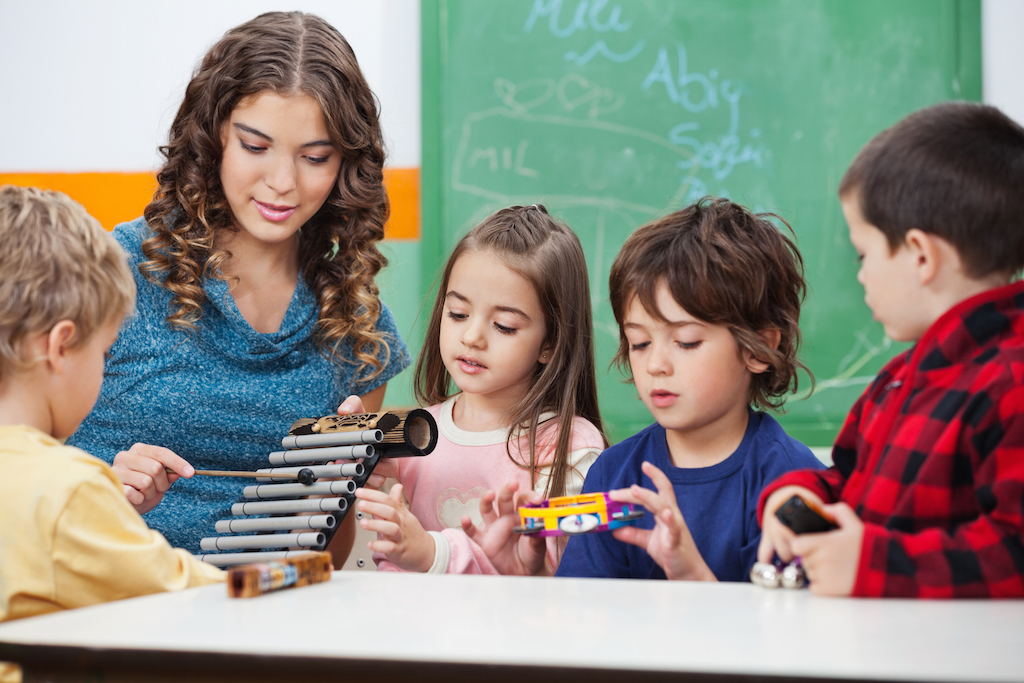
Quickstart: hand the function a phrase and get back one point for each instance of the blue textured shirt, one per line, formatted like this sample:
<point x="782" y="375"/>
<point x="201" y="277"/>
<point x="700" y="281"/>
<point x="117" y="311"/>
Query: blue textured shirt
<point x="719" y="503"/>
<point x="221" y="398"/>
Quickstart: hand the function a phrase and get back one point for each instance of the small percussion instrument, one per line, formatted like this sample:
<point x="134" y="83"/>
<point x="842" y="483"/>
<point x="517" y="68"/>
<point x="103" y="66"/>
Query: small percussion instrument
<point x="251" y="580"/>
<point x="306" y="494"/>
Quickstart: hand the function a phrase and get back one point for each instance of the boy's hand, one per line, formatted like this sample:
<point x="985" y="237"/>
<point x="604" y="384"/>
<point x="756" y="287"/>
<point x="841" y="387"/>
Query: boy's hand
<point x="776" y="537"/>
<point x="509" y="552"/>
<point x="402" y="538"/>
<point x="831" y="558"/>
<point x="669" y="543"/>
<point x="143" y="477"/>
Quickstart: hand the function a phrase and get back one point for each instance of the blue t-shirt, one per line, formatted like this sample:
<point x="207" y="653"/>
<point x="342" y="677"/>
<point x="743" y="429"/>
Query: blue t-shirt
<point x="719" y="503"/>
<point x="223" y="397"/>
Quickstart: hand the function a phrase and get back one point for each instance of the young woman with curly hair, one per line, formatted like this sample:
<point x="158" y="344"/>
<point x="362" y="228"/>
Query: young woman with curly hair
<point x="255" y="266"/>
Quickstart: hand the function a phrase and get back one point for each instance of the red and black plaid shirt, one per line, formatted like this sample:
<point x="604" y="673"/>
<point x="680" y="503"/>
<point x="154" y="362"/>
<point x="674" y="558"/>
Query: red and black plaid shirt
<point x="932" y="459"/>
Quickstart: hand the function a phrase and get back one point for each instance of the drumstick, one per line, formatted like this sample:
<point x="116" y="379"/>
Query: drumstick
<point x="305" y="475"/>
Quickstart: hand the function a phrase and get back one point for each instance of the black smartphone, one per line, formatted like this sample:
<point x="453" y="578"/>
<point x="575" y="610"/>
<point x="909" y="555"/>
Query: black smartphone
<point x="804" y="517"/>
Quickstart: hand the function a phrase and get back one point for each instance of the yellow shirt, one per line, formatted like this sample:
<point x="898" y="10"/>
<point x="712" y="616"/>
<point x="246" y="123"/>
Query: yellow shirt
<point x="69" y="537"/>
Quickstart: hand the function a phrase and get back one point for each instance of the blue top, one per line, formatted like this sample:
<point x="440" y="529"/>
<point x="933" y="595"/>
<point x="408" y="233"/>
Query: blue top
<point x="222" y="398"/>
<point x="719" y="503"/>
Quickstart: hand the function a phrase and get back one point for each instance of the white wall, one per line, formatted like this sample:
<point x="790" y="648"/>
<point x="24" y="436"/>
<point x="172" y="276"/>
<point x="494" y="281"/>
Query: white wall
<point x="1002" y="54"/>
<point x="93" y="85"/>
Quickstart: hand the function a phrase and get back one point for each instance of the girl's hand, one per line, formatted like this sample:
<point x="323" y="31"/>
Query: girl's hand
<point x="353" y="405"/>
<point x="509" y="552"/>
<point x="830" y="559"/>
<point x="669" y="543"/>
<point x="402" y="538"/>
<point x="776" y="537"/>
<point x="143" y="477"/>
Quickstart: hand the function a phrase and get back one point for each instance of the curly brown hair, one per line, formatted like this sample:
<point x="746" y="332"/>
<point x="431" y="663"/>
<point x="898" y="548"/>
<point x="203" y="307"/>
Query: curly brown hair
<point x="725" y="266"/>
<point x="285" y="53"/>
<point x="548" y="254"/>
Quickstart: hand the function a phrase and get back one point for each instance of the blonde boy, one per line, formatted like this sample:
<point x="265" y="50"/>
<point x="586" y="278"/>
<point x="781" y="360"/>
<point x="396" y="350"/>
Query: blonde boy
<point x="69" y="537"/>
<point x="928" y="481"/>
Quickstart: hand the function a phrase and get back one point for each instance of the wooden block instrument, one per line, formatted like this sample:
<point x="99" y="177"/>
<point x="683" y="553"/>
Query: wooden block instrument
<point x="308" y="493"/>
<point x="251" y="580"/>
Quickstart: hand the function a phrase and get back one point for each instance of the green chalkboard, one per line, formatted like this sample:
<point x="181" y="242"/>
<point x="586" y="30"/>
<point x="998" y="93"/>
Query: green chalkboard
<point x="613" y="113"/>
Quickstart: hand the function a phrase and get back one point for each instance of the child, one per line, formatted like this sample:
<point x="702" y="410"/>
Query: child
<point x="928" y="476"/>
<point x="511" y="328"/>
<point x="69" y="537"/>
<point x="255" y="266"/>
<point x="707" y="300"/>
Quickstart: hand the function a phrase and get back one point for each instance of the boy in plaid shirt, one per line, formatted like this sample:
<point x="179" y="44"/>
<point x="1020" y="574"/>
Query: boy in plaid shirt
<point x="928" y="482"/>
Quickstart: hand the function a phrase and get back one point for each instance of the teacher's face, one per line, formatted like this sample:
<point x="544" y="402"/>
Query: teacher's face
<point x="279" y="165"/>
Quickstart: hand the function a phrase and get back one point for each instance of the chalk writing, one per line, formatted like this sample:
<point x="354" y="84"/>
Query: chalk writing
<point x="697" y="92"/>
<point x="586" y="17"/>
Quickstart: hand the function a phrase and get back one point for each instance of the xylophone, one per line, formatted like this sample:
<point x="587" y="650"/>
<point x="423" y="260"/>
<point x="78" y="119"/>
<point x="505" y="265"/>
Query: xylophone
<point x="308" y="493"/>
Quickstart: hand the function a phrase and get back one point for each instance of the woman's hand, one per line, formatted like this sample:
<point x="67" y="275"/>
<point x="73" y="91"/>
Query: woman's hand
<point x="402" y="539"/>
<point x="510" y="553"/>
<point x="142" y="474"/>
<point x="669" y="543"/>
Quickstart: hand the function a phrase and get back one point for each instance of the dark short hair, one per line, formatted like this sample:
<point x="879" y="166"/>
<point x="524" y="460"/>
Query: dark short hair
<point x="955" y="170"/>
<point x="725" y="266"/>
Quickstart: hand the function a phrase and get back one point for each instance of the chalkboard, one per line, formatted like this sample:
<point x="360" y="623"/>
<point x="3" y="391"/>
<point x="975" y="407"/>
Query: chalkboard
<point x="613" y="113"/>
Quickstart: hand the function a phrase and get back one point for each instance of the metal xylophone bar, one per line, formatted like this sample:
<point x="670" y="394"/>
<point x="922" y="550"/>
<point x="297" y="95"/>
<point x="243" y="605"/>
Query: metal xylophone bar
<point x="280" y="534"/>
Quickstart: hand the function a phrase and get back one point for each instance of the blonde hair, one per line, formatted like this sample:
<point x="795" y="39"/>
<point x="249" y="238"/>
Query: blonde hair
<point x="56" y="263"/>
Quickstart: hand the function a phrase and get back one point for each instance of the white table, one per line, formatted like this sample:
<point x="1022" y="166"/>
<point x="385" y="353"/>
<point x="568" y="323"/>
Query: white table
<point x="418" y="628"/>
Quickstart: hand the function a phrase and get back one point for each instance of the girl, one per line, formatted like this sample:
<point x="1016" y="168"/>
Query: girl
<point x="255" y="266"/>
<point x="511" y="328"/>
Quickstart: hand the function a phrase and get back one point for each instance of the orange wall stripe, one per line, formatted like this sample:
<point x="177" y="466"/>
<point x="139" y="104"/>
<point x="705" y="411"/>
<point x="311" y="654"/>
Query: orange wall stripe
<point x="111" y="197"/>
<point x="403" y="185"/>
<point x="118" y="197"/>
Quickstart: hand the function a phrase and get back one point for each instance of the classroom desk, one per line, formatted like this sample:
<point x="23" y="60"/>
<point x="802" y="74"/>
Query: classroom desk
<point x="417" y="628"/>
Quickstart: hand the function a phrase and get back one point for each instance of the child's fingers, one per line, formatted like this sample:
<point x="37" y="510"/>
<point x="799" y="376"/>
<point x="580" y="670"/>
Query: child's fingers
<point x="673" y="525"/>
<point x="387" y="529"/>
<point x="660" y="481"/>
<point x="353" y="405"/>
<point x="374" y="481"/>
<point x="379" y="510"/>
<point x="654" y="502"/>
<point x="487" y="513"/>
<point x="372" y="495"/>
<point x="842" y="514"/>
<point x="765" y="549"/>
<point x="624" y="496"/>
<point x="506" y="499"/>
<point x="396" y="495"/>
<point x="632" y="535"/>
<point x="386" y="548"/>
<point x="805" y="545"/>
<point x="470" y="529"/>
<point x="387" y="468"/>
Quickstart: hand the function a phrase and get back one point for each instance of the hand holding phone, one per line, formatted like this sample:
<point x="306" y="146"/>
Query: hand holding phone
<point x="804" y="517"/>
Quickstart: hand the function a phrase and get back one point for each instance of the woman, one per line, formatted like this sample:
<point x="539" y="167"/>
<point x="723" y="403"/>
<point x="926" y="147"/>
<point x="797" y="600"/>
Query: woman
<point x="255" y="266"/>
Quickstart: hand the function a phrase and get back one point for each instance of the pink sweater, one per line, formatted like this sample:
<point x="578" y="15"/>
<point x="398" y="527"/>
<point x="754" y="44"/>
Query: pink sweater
<point x="448" y="483"/>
